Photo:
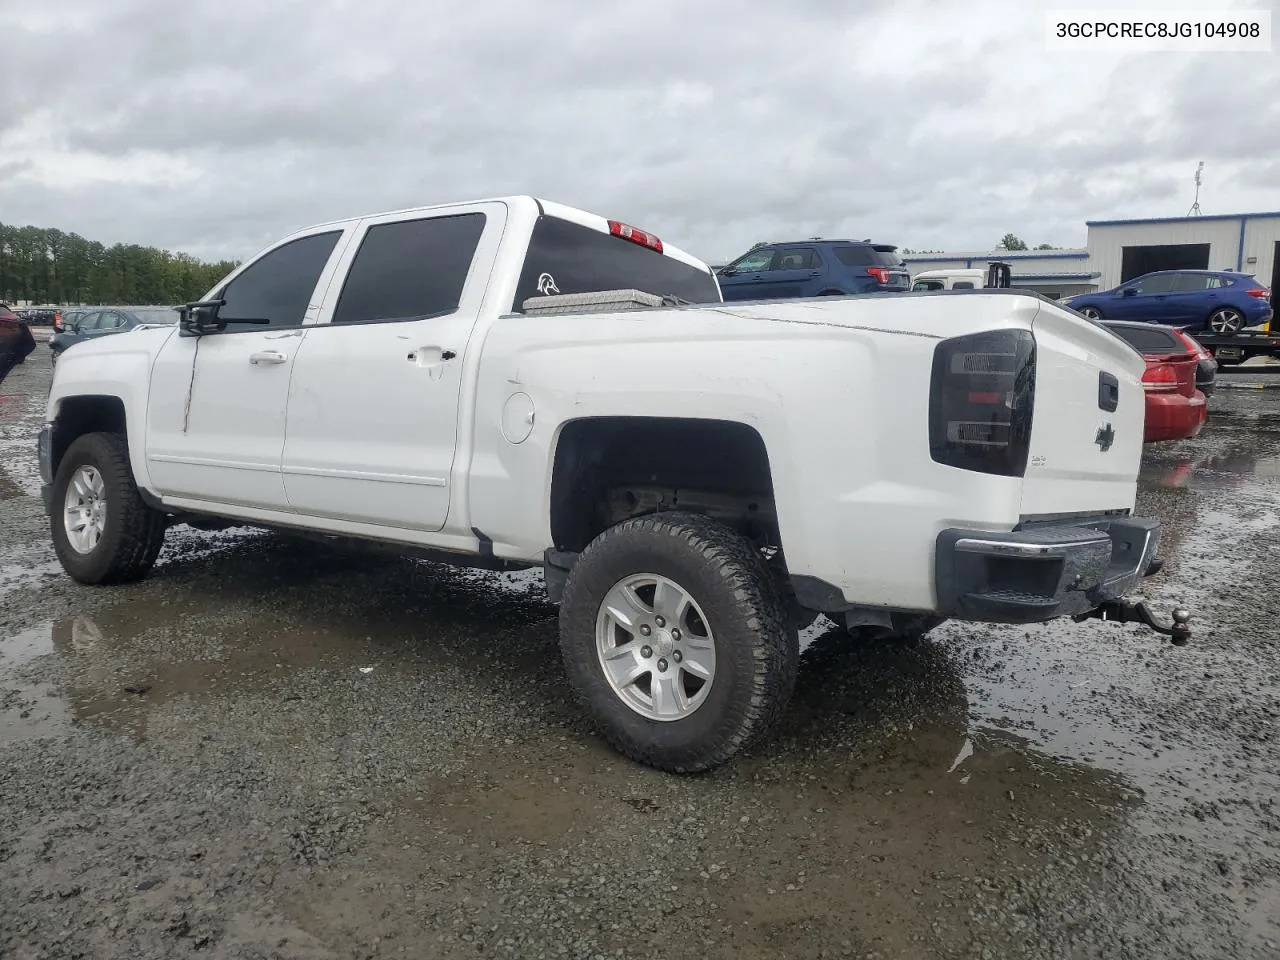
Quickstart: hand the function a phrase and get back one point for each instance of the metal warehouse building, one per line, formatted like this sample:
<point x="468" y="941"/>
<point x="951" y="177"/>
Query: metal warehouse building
<point x="1123" y="249"/>
<point x="1119" y="250"/>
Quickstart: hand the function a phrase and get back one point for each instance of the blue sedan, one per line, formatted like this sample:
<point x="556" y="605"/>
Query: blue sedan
<point x="1214" y="301"/>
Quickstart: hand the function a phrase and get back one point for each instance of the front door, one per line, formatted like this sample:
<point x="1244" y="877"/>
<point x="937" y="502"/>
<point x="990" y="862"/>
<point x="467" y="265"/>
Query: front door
<point x="373" y="405"/>
<point x="1148" y="302"/>
<point x="743" y="279"/>
<point x="216" y="411"/>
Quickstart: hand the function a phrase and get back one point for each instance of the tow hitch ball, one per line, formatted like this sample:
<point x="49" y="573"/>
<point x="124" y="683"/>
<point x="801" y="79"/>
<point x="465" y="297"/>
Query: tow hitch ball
<point x="1131" y="611"/>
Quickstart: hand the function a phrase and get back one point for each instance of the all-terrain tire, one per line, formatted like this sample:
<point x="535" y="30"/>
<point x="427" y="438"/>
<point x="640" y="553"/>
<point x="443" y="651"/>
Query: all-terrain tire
<point x="756" y="649"/>
<point x="133" y="532"/>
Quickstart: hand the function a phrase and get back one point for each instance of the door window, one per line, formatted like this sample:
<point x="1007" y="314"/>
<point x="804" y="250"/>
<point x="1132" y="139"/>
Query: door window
<point x="756" y="261"/>
<point x="1190" y="282"/>
<point x="799" y="259"/>
<point x="962" y="285"/>
<point x="110" y="320"/>
<point x="410" y="269"/>
<point x="927" y="285"/>
<point x="275" y="290"/>
<point x="88" y="322"/>
<point x="1158" y="283"/>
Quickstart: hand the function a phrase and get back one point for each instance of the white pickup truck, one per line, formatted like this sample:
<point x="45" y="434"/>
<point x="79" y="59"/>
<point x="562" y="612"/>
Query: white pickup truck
<point x="696" y="481"/>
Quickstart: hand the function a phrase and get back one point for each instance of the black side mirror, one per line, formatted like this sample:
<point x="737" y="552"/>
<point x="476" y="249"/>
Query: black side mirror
<point x="200" y="319"/>
<point x="1129" y="292"/>
<point x="727" y="272"/>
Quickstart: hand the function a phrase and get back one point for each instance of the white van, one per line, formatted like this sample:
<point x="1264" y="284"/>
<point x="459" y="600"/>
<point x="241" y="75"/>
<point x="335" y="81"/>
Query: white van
<point x="970" y="279"/>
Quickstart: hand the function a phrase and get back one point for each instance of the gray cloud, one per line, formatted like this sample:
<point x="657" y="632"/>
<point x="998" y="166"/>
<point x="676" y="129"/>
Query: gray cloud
<point x="714" y="125"/>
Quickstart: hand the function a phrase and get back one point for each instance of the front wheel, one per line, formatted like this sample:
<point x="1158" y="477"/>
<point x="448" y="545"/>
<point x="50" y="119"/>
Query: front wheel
<point x="1227" y="321"/>
<point x="102" y="531"/>
<point x="1091" y="313"/>
<point x="677" y="639"/>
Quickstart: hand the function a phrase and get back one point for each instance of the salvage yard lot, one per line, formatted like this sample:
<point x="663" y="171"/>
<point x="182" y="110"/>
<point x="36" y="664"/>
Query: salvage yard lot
<point x="268" y="749"/>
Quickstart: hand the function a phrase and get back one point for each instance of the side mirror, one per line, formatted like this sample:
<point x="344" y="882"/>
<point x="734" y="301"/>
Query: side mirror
<point x="1129" y="292"/>
<point x="200" y="319"/>
<point x="727" y="272"/>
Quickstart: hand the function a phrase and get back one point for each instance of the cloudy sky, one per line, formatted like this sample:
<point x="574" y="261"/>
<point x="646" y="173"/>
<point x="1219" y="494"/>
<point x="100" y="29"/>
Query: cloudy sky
<point x="215" y="126"/>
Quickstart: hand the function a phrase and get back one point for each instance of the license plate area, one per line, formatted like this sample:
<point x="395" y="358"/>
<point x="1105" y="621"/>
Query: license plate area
<point x="1229" y="353"/>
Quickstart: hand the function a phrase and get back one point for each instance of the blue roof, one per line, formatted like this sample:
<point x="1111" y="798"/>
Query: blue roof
<point x="1206" y="216"/>
<point x="1074" y="254"/>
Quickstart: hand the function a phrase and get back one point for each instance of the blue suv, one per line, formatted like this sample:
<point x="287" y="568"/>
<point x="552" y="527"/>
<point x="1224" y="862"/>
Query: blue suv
<point x="1219" y="302"/>
<point x="814" y="268"/>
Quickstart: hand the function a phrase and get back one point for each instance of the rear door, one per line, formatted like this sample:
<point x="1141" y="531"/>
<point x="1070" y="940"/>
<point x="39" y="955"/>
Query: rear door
<point x="374" y="397"/>
<point x="1083" y="457"/>
<point x="793" y="272"/>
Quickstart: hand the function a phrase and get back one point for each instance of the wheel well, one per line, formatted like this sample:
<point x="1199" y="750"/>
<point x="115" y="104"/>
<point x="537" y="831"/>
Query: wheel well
<point x="609" y="469"/>
<point x="80" y="415"/>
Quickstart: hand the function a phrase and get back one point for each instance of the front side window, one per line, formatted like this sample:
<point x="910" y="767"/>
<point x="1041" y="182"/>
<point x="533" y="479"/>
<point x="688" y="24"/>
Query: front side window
<point x="89" y="321"/>
<point x="1157" y="283"/>
<point x="275" y="290"/>
<point x="410" y="269"/>
<point x="756" y="261"/>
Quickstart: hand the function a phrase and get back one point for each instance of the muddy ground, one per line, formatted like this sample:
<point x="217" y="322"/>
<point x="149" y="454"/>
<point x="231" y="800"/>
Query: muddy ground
<point x="269" y="749"/>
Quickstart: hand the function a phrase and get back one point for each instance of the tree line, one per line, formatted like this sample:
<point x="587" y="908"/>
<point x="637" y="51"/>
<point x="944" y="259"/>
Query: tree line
<point x="48" y="266"/>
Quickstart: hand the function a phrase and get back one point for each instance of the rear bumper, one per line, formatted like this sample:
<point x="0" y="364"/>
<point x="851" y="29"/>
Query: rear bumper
<point x="1033" y="575"/>
<point x="1172" y="416"/>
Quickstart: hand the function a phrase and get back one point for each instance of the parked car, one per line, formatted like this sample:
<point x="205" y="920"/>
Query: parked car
<point x="814" y="268"/>
<point x="67" y="318"/>
<point x="41" y="316"/>
<point x="1216" y="301"/>
<point x="553" y="394"/>
<point x="971" y="278"/>
<point x="101" y="322"/>
<point x="16" y="341"/>
<point x="1176" y="407"/>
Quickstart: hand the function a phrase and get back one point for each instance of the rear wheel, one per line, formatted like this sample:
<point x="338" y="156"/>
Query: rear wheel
<point x="102" y="531"/>
<point x="677" y="639"/>
<point x="1226" y="321"/>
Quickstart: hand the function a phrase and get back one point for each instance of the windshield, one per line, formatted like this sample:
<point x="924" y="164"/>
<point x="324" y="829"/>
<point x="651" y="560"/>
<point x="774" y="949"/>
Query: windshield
<point x="566" y="257"/>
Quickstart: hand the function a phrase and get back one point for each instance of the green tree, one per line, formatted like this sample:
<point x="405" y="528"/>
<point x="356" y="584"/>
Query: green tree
<point x="1047" y="246"/>
<point x="48" y="266"/>
<point x="1011" y="242"/>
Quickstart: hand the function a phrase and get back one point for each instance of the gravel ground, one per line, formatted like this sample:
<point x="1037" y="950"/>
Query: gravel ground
<point x="270" y="749"/>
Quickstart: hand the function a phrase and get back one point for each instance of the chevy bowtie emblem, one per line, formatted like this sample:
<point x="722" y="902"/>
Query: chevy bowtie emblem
<point x="1105" y="437"/>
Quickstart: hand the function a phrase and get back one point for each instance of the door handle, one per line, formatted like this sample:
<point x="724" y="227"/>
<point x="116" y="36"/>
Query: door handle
<point x="267" y="356"/>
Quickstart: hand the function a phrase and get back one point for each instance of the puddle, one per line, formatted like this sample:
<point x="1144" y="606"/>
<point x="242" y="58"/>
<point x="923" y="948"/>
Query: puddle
<point x="27" y="711"/>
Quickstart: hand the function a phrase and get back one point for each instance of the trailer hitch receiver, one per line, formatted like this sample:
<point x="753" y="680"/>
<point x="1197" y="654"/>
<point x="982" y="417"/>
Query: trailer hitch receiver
<point x="1137" y="611"/>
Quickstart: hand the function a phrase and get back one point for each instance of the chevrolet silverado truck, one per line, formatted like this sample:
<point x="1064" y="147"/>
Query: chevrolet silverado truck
<point x="513" y="383"/>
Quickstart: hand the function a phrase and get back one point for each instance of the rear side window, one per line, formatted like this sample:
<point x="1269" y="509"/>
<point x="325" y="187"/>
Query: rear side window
<point x="276" y="289"/>
<point x="867" y="255"/>
<point x="1191" y="282"/>
<point x="410" y="269"/>
<point x="800" y="258"/>
<point x="566" y="257"/>
<point x="1149" y="341"/>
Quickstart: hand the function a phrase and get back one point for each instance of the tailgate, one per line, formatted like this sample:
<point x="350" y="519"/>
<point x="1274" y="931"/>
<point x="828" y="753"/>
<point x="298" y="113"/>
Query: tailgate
<point x="1083" y="458"/>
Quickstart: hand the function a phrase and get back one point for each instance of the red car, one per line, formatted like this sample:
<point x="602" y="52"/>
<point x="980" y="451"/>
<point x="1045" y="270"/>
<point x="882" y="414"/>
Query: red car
<point x="16" y="342"/>
<point x="1176" y="407"/>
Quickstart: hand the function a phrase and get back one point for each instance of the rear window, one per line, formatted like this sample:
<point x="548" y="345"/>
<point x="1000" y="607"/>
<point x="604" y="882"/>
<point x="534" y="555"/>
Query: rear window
<point x="1149" y="341"/>
<point x="566" y="257"/>
<point x="868" y="255"/>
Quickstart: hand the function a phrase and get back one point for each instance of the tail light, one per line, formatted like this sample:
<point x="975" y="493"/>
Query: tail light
<point x="627" y="232"/>
<point x="981" y="399"/>
<point x="1193" y="345"/>
<point x="1262" y="293"/>
<point x="1160" y="378"/>
<point x="881" y="274"/>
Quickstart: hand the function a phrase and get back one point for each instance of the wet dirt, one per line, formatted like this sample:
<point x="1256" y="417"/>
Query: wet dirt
<point x="274" y="749"/>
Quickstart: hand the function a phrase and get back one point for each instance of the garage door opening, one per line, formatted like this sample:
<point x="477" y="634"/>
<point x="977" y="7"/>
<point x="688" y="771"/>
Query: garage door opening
<point x="1135" y="261"/>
